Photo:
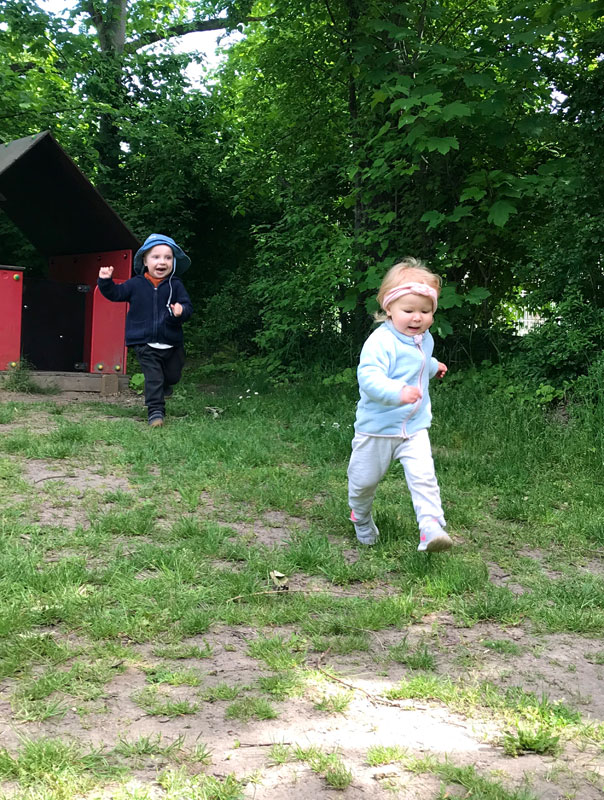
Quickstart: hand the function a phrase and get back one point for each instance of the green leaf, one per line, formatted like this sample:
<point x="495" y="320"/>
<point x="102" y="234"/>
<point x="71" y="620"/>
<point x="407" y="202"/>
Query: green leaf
<point x="406" y="119"/>
<point x="442" y="144"/>
<point x="459" y="212"/>
<point x="431" y="99"/>
<point x="433" y="218"/>
<point x="449" y="298"/>
<point x="477" y="294"/>
<point x="500" y="212"/>
<point x="455" y="109"/>
<point x="349" y="301"/>
<point x="471" y="193"/>
<point x="442" y="326"/>
<point x="378" y="97"/>
<point x="404" y="104"/>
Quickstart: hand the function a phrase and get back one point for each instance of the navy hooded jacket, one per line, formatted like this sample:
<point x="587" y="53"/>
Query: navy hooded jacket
<point x="149" y="318"/>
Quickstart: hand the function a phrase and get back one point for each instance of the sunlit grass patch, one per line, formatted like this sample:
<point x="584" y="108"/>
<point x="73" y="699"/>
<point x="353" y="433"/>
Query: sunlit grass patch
<point x="512" y="705"/>
<point x="21" y="650"/>
<point x="385" y="754"/>
<point x="284" y="684"/>
<point x="536" y="738"/>
<point x="54" y="765"/>
<point x="279" y="653"/>
<point x="177" y="783"/>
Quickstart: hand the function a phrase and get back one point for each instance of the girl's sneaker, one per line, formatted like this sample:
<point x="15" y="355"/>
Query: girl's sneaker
<point x="433" y="539"/>
<point x="367" y="532"/>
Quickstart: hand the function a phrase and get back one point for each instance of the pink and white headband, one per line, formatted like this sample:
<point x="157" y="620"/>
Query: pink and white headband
<point x="410" y="288"/>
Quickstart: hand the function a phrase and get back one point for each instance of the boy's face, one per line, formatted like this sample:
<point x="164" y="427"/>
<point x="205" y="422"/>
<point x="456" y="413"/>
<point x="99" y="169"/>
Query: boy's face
<point x="411" y="314"/>
<point x="159" y="261"/>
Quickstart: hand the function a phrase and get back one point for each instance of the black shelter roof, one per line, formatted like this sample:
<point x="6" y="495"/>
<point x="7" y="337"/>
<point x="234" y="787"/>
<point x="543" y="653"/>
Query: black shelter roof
<point x="52" y="202"/>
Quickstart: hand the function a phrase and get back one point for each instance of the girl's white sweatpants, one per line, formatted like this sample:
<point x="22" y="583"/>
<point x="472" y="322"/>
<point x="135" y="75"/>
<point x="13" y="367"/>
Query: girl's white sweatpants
<point x="370" y="459"/>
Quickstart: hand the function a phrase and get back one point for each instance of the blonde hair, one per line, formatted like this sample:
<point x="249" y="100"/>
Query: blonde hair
<point x="409" y="270"/>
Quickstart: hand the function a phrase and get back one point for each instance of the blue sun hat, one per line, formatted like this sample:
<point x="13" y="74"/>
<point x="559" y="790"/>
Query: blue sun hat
<point x="182" y="262"/>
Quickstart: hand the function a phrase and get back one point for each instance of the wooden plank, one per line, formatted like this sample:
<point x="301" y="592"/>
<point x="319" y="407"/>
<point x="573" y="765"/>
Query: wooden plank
<point x="104" y="385"/>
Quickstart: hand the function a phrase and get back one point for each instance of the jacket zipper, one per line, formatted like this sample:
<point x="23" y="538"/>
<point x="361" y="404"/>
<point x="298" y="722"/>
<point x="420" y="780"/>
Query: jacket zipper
<point x="155" y="315"/>
<point x="418" y="343"/>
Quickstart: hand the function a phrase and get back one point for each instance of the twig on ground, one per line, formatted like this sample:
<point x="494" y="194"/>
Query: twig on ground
<point x="260" y="744"/>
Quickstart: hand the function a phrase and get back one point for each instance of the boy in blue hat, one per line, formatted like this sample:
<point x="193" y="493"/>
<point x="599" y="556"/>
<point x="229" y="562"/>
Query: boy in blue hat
<point x="159" y="304"/>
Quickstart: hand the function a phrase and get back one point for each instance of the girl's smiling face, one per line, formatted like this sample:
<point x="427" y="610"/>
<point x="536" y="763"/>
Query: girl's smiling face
<point x="159" y="261"/>
<point x="411" y="314"/>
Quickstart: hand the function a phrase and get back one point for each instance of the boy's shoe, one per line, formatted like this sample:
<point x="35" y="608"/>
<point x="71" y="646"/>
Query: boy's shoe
<point x="433" y="539"/>
<point x="367" y="532"/>
<point x="168" y="391"/>
<point x="156" y="420"/>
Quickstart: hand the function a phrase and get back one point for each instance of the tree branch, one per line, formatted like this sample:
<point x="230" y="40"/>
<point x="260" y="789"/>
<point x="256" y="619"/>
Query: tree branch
<point x="196" y="26"/>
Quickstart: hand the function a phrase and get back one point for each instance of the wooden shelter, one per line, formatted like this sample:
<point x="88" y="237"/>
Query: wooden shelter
<point x="61" y="324"/>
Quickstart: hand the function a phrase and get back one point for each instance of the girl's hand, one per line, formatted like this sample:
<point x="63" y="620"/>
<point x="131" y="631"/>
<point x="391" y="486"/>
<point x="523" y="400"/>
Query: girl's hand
<point x="410" y="394"/>
<point x="442" y="370"/>
<point x="176" y="309"/>
<point x="105" y="272"/>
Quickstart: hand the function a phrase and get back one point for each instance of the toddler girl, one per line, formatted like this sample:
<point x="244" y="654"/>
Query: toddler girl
<point x="394" y="412"/>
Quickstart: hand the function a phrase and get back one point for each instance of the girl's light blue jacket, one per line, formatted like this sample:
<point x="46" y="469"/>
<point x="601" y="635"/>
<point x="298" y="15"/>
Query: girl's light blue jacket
<point x="389" y="361"/>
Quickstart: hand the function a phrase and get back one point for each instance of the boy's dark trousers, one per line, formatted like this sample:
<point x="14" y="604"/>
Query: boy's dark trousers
<point x="162" y="369"/>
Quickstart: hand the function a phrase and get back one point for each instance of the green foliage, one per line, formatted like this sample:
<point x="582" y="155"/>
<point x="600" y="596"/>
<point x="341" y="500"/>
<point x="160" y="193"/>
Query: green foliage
<point x="137" y="382"/>
<point x="565" y="345"/>
<point x="333" y="141"/>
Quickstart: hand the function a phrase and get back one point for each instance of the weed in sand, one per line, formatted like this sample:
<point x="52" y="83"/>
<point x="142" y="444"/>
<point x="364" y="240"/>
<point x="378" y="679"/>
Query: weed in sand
<point x="279" y="754"/>
<point x="475" y="784"/>
<point x="162" y="673"/>
<point x="279" y="653"/>
<point x="221" y="691"/>
<point x="148" y="746"/>
<point x="177" y="784"/>
<point x="596" y="657"/>
<point x="531" y="739"/>
<point x="251" y="708"/>
<point x="341" y="645"/>
<point x="157" y="703"/>
<point x="335" y="703"/>
<point x="289" y="683"/>
<point x="419" y="659"/>
<point x="26" y="710"/>
<point x="329" y="765"/>
<point x="183" y="651"/>
<point x="200" y="754"/>
<point x="384" y="754"/>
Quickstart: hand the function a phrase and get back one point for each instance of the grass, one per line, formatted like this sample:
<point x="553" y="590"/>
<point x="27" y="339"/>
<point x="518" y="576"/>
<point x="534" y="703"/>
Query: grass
<point x="134" y="581"/>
